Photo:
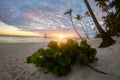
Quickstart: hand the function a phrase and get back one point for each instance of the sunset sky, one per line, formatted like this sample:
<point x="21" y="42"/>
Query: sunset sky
<point x="39" y="17"/>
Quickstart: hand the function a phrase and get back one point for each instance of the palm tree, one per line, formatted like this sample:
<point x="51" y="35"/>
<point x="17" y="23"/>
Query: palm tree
<point x="116" y="5"/>
<point x="87" y="14"/>
<point x="102" y="4"/>
<point x="114" y="21"/>
<point x="107" y="40"/>
<point x="70" y="14"/>
<point x="80" y="18"/>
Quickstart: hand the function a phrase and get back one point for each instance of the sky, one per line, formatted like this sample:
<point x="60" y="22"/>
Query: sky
<point x="40" y="17"/>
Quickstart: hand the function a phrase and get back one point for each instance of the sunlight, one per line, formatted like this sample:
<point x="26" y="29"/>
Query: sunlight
<point x="12" y="30"/>
<point x="61" y="36"/>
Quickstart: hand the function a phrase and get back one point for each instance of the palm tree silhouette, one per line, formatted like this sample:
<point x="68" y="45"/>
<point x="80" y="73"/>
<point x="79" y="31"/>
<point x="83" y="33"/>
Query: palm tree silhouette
<point x="79" y="18"/>
<point x="103" y="4"/>
<point x="115" y="23"/>
<point x="116" y="4"/>
<point x="70" y="14"/>
<point x="107" y="40"/>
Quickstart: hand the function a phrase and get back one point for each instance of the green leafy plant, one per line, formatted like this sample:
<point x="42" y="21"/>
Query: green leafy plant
<point x="86" y="54"/>
<point x="59" y="58"/>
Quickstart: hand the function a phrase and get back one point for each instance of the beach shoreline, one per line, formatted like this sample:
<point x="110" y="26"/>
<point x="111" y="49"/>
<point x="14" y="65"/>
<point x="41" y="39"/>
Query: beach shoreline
<point x="13" y="64"/>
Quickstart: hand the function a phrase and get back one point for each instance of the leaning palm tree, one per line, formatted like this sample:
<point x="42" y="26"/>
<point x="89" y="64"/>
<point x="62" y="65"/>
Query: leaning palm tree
<point x="70" y="14"/>
<point x="79" y="18"/>
<point x="107" y="40"/>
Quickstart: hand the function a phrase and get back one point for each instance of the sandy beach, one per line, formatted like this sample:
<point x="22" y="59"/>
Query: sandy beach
<point x="13" y="64"/>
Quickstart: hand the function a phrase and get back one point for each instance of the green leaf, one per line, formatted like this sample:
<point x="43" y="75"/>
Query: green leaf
<point x="82" y="59"/>
<point x="49" y="53"/>
<point x="41" y="51"/>
<point x="71" y="43"/>
<point x="57" y="54"/>
<point x="50" y="66"/>
<point x="35" y="56"/>
<point x="64" y="70"/>
<point x="29" y="60"/>
<point x="62" y="46"/>
<point x="53" y="45"/>
<point x="63" y="61"/>
<point x="43" y="61"/>
<point x="84" y="44"/>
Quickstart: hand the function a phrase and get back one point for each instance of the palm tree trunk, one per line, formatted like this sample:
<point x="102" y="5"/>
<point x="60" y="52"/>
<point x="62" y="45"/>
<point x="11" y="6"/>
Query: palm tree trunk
<point x="75" y="28"/>
<point x="93" y="24"/>
<point x="84" y="31"/>
<point x="87" y="32"/>
<point x="107" y="40"/>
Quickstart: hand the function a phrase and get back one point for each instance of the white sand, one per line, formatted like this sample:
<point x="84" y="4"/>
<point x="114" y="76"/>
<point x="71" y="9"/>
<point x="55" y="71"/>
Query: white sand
<point x="13" y="66"/>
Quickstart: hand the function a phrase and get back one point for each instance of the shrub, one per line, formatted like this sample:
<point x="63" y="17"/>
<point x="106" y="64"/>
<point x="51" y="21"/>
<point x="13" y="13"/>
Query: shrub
<point x="59" y="59"/>
<point x="86" y="54"/>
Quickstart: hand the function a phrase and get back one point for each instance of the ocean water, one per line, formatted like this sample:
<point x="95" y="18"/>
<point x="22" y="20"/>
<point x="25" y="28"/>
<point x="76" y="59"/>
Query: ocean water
<point x="9" y="39"/>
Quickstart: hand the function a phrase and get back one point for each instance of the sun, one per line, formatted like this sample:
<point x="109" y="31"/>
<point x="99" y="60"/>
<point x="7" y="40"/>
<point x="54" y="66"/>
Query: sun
<point x="61" y="36"/>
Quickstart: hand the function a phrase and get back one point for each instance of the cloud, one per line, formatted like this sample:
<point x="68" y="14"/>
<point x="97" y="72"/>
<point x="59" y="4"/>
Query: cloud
<point x="42" y="16"/>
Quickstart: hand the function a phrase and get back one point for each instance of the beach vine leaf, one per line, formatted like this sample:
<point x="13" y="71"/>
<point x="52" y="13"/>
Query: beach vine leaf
<point x="59" y="59"/>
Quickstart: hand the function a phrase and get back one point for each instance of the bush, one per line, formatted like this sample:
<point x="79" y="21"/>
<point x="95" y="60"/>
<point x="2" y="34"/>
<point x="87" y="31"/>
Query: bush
<point x="86" y="54"/>
<point x="59" y="59"/>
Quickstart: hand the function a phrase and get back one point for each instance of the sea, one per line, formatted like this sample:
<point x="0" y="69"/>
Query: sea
<point x="19" y="39"/>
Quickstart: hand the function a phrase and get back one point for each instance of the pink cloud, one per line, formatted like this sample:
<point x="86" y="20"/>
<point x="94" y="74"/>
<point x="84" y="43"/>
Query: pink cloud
<point x="49" y="13"/>
<point x="61" y="10"/>
<point x="31" y="15"/>
<point x="99" y="15"/>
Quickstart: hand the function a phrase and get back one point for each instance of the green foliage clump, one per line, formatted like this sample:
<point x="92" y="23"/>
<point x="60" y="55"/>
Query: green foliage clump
<point x="86" y="54"/>
<point x="59" y="59"/>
